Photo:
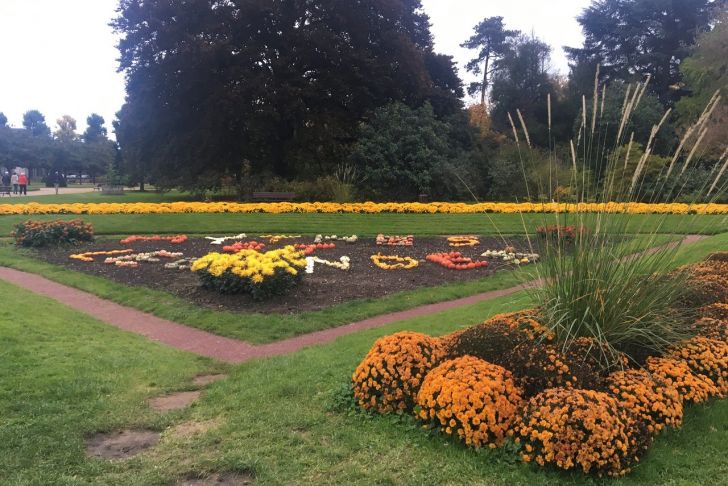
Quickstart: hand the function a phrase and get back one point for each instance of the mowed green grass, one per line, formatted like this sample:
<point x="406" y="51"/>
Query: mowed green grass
<point x="97" y="197"/>
<point x="360" y="224"/>
<point x="263" y="328"/>
<point x="66" y="376"/>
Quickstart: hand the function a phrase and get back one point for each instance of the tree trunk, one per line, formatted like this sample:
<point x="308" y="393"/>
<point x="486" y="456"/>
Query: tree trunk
<point x="485" y="80"/>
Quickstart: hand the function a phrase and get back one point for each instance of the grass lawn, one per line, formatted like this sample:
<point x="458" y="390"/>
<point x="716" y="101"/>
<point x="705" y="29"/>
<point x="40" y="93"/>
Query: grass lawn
<point x="96" y="197"/>
<point x="263" y="328"/>
<point x="70" y="376"/>
<point x="360" y="224"/>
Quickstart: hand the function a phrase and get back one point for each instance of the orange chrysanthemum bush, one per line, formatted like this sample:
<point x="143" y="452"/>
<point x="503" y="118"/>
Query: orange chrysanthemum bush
<point x="652" y="402"/>
<point x="389" y="377"/>
<point x="541" y="366"/>
<point x="705" y="357"/>
<point x="470" y="398"/>
<point x="708" y="282"/>
<point x="691" y="387"/>
<point x="491" y="340"/>
<point x="712" y="328"/>
<point x="573" y="428"/>
<point x="718" y="311"/>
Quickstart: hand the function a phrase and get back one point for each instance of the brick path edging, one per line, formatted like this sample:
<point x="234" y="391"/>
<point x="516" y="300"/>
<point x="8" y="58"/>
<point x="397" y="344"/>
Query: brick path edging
<point x="222" y="348"/>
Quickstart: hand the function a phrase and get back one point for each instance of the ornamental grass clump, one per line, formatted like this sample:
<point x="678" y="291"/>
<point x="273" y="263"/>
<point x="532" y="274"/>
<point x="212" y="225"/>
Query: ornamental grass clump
<point x="651" y="401"/>
<point x="491" y="340"/>
<point x="693" y="388"/>
<point x="597" y="281"/>
<point x="705" y="357"/>
<point x="38" y="234"/>
<point x="471" y="399"/>
<point x="579" y="429"/>
<point x="389" y="377"/>
<point x="262" y="275"/>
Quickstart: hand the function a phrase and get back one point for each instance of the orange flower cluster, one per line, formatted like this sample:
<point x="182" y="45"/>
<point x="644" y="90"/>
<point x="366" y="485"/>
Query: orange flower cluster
<point x="577" y="429"/>
<point x="491" y="340"/>
<point x="240" y="246"/>
<point x="175" y="240"/>
<point x="717" y="311"/>
<point x="691" y="387"/>
<point x="712" y="328"/>
<point x="654" y="403"/>
<point x="539" y="366"/>
<point x="89" y="255"/>
<point x="709" y="282"/>
<point x="391" y="374"/>
<point x="705" y="357"/>
<point x="471" y="399"/>
<point x="309" y="249"/>
<point x="455" y="261"/>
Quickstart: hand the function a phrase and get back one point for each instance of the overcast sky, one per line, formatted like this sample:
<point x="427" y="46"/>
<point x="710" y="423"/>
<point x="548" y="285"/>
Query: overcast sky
<point x="59" y="56"/>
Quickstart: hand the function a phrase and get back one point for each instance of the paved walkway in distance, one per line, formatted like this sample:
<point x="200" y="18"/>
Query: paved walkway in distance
<point x="218" y="347"/>
<point x="51" y="191"/>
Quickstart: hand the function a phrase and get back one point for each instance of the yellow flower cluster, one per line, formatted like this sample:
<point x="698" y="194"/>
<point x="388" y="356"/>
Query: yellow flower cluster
<point x="577" y="428"/>
<point x="471" y="399"/>
<point x="366" y="208"/>
<point x="705" y="357"/>
<point x="250" y="264"/>
<point x="654" y="403"/>
<point x="691" y="387"/>
<point x="389" y="377"/>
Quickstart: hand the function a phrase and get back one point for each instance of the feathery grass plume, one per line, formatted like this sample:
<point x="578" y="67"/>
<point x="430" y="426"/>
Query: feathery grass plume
<point x="604" y="97"/>
<point x="703" y="132"/>
<point x="548" y="103"/>
<point x="513" y="126"/>
<point x="600" y="283"/>
<point x="523" y="126"/>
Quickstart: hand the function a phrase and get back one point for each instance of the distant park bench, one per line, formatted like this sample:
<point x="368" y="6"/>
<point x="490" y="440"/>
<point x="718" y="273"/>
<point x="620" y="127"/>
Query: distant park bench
<point x="5" y="190"/>
<point x="274" y="196"/>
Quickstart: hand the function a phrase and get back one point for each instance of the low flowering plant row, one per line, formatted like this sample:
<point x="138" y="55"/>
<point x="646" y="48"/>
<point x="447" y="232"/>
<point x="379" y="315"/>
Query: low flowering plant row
<point x="506" y="380"/>
<point x="175" y="240"/>
<point x="455" y="261"/>
<point x="363" y="208"/>
<point x="37" y="234"/>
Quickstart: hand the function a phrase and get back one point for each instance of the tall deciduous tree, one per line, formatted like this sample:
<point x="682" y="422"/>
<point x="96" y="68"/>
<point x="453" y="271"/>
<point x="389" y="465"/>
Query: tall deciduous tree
<point x="282" y="84"/>
<point x="633" y="38"/>
<point x="35" y="123"/>
<point x="491" y="41"/>
<point x="95" y="129"/>
<point x="66" y="131"/>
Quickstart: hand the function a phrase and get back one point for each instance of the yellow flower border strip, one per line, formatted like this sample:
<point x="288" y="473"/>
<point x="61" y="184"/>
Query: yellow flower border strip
<point x="363" y="208"/>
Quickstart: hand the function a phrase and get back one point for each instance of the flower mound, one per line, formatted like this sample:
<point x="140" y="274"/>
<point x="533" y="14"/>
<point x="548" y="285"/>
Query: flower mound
<point x="577" y="429"/>
<point x="389" y="377"/>
<point x="717" y="311"/>
<point x="712" y="328"/>
<point x="691" y="387"/>
<point x="490" y="341"/>
<point x="38" y="234"/>
<point x="706" y="357"/>
<point x="475" y="400"/>
<point x="259" y="274"/>
<point x="708" y="282"/>
<point x="656" y="404"/>
<point x="540" y="366"/>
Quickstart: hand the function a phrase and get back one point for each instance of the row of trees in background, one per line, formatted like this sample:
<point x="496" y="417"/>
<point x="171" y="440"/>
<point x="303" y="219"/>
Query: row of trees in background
<point x="328" y="97"/>
<point x="64" y="150"/>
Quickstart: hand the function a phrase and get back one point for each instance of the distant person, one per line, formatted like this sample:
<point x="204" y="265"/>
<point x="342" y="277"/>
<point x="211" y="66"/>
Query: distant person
<point x="23" y="184"/>
<point x="6" y="179"/>
<point x="14" y="182"/>
<point x="56" y="180"/>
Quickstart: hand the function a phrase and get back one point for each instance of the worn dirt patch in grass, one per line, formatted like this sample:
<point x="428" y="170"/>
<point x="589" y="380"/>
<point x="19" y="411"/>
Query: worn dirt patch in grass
<point x="174" y="401"/>
<point x="204" y="380"/>
<point x="188" y="429"/>
<point x="326" y="287"/>
<point x="121" y="444"/>
<point x="219" y="479"/>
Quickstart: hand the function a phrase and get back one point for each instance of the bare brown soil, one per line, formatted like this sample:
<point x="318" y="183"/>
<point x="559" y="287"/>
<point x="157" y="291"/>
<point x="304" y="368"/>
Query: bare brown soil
<point x="174" y="401"/>
<point x="325" y="287"/>
<point x="121" y="444"/>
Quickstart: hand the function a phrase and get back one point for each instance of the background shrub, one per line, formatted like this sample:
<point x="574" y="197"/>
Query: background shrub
<point x="38" y="234"/>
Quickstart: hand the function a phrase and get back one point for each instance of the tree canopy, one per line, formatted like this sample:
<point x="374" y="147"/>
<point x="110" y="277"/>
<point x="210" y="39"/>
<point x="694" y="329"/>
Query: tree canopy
<point x="34" y="122"/>
<point x="281" y="84"/>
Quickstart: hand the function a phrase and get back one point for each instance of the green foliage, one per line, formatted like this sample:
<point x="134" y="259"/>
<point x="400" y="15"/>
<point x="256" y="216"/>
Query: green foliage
<point x="282" y="84"/>
<point x="95" y="129"/>
<point x="403" y="152"/>
<point x="638" y="37"/>
<point x="37" y="234"/>
<point x="35" y="123"/>
<point x="3" y="120"/>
